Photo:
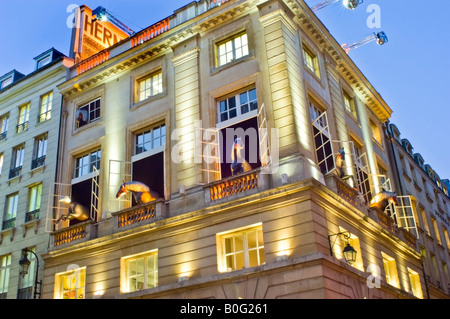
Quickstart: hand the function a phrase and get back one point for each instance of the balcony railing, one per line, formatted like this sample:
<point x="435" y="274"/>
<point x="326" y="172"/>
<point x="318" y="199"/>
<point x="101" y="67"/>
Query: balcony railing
<point x="9" y="223"/>
<point x="33" y="215"/>
<point x="14" y="172"/>
<point x="22" y="127"/>
<point x="38" y="162"/>
<point x="93" y="61"/>
<point x="140" y="214"/>
<point x="233" y="186"/>
<point x="3" y="136"/>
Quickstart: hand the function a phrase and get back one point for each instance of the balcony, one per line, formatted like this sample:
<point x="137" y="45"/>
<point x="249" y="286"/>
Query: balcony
<point x="341" y="188"/>
<point x="140" y="215"/>
<point x="233" y="186"/>
<point x="74" y="234"/>
<point x="15" y="172"/>
<point x="38" y="162"/>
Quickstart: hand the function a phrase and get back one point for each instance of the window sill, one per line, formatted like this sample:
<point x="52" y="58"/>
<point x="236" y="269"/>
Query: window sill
<point x="150" y="99"/>
<point x="87" y="126"/>
<point x="218" y="69"/>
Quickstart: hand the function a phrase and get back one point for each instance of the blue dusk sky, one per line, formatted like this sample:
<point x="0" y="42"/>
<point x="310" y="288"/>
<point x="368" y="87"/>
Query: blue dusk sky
<point x="410" y="71"/>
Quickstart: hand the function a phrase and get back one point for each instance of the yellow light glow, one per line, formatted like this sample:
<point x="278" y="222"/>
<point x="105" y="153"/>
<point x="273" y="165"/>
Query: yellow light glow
<point x="284" y="247"/>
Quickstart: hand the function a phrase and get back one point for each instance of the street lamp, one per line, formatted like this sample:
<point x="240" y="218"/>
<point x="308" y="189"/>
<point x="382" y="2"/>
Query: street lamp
<point x="349" y="252"/>
<point x="24" y="263"/>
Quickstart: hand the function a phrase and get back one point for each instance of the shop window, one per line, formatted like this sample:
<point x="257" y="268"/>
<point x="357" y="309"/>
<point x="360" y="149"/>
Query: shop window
<point x="71" y="284"/>
<point x="242" y="248"/>
<point x="139" y="272"/>
<point x="88" y="113"/>
<point x="232" y="49"/>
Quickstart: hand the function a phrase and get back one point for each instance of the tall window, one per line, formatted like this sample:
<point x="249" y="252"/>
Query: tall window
<point x="5" y="267"/>
<point x="139" y="272"/>
<point x="1" y="163"/>
<point x="12" y="202"/>
<point x="444" y="230"/>
<point x="240" y="249"/>
<point x="322" y="139"/>
<point x="414" y="280"/>
<point x="39" y="151"/>
<point x="436" y="231"/>
<point x="390" y="270"/>
<point x="232" y="49"/>
<point x="24" y="114"/>
<point x="27" y="281"/>
<point x="45" y="112"/>
<point x="88" y="113"/>
<point x="237" y="105"/>
<point x="85" y="164"/>
<point x="350" y="105"/>
<point x="311" y="61"/>
<point x="71" y="284"/>
<point x="4" y="119"/>
<point x="17" y="161"/>
<point x="150" y="139"/>
<point x="424" y="220"/>
<point x="376" y="133"/>
<point x="150" y="86"/>
<point x="34" y="202"/>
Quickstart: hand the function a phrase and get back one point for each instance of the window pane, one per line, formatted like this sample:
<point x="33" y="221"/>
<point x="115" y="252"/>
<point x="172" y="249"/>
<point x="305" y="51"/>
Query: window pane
<point x="240" y="260"/>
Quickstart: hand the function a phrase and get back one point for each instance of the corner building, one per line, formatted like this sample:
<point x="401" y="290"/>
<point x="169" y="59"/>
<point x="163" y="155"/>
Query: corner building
<point x="155" y="108"/>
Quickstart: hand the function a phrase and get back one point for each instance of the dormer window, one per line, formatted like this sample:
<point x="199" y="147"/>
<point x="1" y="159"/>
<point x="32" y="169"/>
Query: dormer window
<point x="6" y="82"/>
<point x="44" y="61"/>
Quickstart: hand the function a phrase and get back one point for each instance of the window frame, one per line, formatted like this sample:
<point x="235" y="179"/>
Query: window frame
<point x="415" y="284"/>
<point x="232" y="40"/>
<point x="125" y="282"/>
<point x="80" y="175"/>
<point x="150" y="76"/>
<point x="86" y="107"/>
<point x="4" y="122"/>
<point x="240" y="116"/>
<point x="80" y="283"/>
<point x="23" y="117"/>
<point x="45" y="109"/>
<point x="152" y="149"/>
<point x="314" y="66"/>
<point x="222" y="254"/>
<point x="11" y="207"/>
<point x="39" y="151"/>
<point x="390" y="270"/>
<point x="5" y="270"/>
<point x="350" y="107"/>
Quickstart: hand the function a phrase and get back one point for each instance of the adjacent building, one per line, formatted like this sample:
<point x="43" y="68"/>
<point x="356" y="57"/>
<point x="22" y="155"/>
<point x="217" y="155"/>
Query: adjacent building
<point x="411" y="175"/>
<point x="30" y="108"/>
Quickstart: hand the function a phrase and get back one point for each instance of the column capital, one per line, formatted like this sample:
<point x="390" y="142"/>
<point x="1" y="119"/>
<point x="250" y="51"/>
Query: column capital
<point x="186" y="56"/>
